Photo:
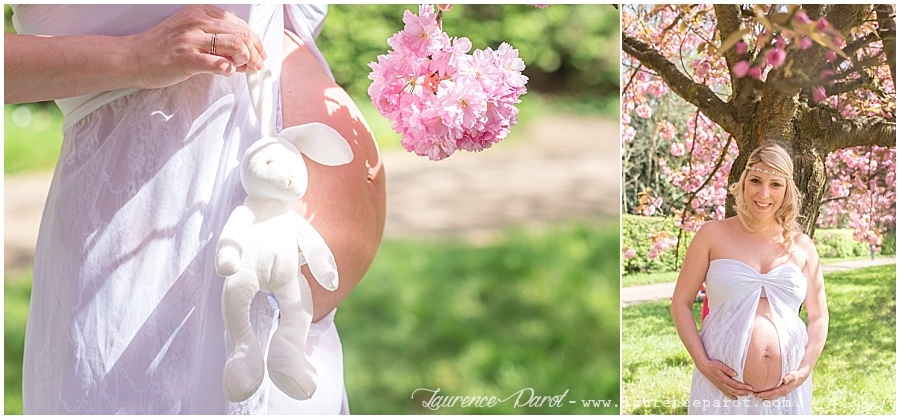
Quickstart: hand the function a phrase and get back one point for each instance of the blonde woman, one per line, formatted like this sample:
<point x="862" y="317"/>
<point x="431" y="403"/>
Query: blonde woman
<point x="754" y="355"/>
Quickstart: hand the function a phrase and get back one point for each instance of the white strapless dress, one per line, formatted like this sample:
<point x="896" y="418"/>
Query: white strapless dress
<point x="125" y="312"/>
<point x="734" y="289"/>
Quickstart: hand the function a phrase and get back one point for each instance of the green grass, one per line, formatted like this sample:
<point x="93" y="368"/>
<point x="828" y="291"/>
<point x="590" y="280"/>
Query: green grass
<point x="534" y="308"/>
<point x="16" y="293"/>
<point x="855" y="374"/>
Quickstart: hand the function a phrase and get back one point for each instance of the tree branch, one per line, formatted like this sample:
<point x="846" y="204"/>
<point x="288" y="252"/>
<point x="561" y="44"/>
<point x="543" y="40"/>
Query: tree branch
<point x="855" y="45"/>
<point x="845" y="16"/>
<point x="696" y="94"/>
<point x="887" y="31"/>
<point x="848" y="86"/>
<point x="838" y="133"/>
<point x="837" y="198"/>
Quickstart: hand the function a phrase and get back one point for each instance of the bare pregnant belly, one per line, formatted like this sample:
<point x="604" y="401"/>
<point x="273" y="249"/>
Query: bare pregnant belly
<point x="762" y="370"/>
<point x="346" y="204"/>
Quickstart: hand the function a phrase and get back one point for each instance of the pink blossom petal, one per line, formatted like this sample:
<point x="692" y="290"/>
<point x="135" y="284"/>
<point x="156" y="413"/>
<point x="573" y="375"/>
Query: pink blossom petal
<point x="740" y="68"/>
<point x="775" y="57"/>
<point x="818" y="94"/>
<point x="805" y="43"/>
<point x="755" y="72"/>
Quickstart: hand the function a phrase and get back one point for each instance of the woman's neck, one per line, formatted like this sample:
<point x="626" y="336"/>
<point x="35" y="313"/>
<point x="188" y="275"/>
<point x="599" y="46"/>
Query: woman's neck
<point x="764" y="228"/>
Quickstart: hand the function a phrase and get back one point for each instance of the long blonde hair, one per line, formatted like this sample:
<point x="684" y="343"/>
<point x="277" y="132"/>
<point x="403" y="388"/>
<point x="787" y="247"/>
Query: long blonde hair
<point x="774" y="156"/>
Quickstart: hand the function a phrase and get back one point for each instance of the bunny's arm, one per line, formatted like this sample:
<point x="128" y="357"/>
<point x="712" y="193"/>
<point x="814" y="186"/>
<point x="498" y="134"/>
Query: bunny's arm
<point x="318" y="255"/>
<point x="229" y="249"/>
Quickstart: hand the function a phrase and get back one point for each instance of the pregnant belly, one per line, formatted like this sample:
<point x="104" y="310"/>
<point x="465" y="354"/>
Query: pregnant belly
<point x="346" y="204"/>
<point x="762" y="369"/>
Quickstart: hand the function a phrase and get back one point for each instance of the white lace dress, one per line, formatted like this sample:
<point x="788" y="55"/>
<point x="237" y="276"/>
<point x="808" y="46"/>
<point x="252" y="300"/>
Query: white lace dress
<point x="125" y="312"/>
<point x="734" y="289"/>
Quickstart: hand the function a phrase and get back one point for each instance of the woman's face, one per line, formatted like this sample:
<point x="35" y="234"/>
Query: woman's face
<point x="763" y="193"/>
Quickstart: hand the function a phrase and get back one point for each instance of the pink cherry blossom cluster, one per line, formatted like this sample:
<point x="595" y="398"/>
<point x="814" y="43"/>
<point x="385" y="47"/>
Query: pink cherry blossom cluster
<point x="439" y="97"/>
<point x="648" y="203"/>
<point x="772" y="46"/>
<point x="661" y="241"/>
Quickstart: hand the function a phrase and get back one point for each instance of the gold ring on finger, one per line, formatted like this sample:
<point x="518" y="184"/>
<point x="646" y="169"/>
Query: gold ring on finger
<point x="212" y="44"/>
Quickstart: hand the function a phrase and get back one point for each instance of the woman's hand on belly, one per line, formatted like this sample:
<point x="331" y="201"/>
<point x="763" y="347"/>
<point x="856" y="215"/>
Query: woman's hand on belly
<point x="789" y="383"/>
<point x="346" y="204"/>
<point x="722" y="376"/>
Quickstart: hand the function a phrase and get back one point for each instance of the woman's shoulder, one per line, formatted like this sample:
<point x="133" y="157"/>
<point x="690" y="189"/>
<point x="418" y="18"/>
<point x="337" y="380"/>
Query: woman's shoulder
<point x="804" y="249"/>
<point x="711" y="233"/>
<point x="803" y="241"/>
<point x="718" y="227"/>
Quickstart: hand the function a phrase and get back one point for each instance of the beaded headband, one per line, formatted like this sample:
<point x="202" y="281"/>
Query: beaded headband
<point x="770" y="172"/>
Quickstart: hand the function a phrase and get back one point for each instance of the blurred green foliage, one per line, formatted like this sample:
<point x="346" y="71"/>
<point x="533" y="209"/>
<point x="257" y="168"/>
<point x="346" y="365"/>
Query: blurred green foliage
<point x="636" y="232"/>
<point x="570" y="50"/>
<point x="839" y="243"/>
<point x="32" y="137"/>
<point x="7" y="19"/>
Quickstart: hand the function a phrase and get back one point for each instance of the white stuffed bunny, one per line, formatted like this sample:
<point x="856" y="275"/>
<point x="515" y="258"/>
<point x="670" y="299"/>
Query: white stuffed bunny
<point x="257" y="251"/>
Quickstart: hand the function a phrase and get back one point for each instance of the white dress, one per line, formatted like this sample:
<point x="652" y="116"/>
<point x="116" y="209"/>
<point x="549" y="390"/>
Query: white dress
<point x="125" y="312"/>
<point x="734" y="289"/>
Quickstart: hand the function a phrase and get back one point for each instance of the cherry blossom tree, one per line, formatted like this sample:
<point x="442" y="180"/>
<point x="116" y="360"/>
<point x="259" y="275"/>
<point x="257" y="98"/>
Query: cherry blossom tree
<point x="705" y="85"/>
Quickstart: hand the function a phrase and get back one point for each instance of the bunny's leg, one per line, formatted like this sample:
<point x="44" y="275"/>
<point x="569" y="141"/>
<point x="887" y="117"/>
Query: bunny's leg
<point x="288" y="367"/>
<point x="245" y="368"/>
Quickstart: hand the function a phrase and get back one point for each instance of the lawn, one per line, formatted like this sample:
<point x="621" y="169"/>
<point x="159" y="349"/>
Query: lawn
<point x="533" y="310"/>
<point x="855" y="374"/>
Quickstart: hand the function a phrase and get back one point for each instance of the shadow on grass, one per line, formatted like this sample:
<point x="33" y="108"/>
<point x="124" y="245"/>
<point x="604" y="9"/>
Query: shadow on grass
<point x="855" y="374"/>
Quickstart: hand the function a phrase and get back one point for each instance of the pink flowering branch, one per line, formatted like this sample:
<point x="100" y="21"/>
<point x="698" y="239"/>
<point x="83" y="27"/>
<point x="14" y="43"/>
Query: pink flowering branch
<point x="694" y="93"/>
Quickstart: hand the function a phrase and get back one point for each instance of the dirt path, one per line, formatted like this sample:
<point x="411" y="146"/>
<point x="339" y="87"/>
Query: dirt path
<point x="559" y="167"/>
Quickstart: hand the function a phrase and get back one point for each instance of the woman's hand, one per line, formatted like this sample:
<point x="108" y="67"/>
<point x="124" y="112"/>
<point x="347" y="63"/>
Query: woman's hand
<point x="723" y="378"/>
<point x="183" y="45"/>
<point x="39" y="68"/>
<point x="789" y="383"/>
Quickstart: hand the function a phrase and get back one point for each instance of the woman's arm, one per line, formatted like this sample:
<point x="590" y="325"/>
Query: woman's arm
<point x="41" y="68"/>
<point x="691" y="277"/>
<point x="816" y="329"/>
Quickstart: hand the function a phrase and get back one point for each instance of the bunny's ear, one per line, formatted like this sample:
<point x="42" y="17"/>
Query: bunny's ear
<point x="319" y="142"/>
